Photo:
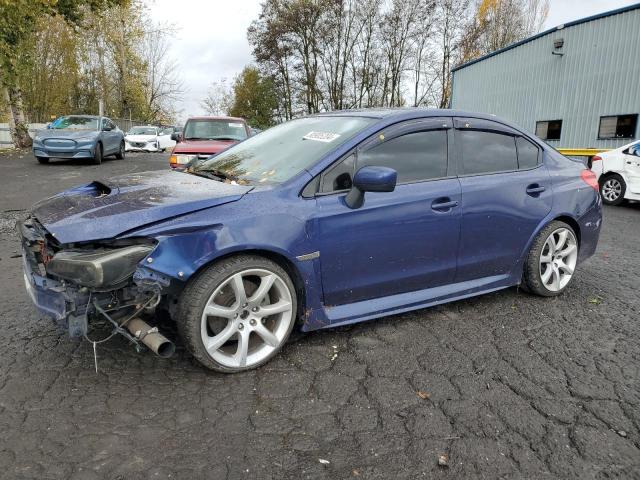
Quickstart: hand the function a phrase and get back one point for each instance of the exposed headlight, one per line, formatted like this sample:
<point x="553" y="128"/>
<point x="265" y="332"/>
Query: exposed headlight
<point x="98" y="268"/>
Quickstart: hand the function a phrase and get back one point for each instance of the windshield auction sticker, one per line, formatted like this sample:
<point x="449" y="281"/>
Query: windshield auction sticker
<point x="321" y="136"/>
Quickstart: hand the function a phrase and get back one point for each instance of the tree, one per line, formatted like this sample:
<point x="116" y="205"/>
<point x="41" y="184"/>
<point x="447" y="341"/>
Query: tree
<point x="18" y="21"/>
<point x="162" y="86"/>
<point x="219" y="99"/>
<point x="254" y="98"/>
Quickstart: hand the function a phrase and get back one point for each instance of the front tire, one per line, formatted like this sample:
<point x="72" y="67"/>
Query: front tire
<point x="42" y="160"/>
<point x="121" y="153"/>
<point x="237" y="314"/>
<point x="97" y="154"/>
<point x="612" y="189"/>
<point x="551" y="261"/>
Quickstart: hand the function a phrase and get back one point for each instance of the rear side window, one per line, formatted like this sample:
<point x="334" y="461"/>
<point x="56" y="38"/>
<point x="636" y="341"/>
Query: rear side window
<point x="415" y="156"/>
<point x="528" y="153"/>
<point x="487" y="152"/>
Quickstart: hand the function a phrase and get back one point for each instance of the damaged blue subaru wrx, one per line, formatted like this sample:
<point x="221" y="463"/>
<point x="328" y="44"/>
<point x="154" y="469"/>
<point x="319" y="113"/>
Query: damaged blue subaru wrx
<point x="321" y="221"/>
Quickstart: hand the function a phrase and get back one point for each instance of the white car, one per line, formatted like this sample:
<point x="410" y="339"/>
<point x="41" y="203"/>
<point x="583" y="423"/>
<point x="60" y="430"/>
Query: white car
<point x="618" y="173"/>
<point x="148" y="139"/>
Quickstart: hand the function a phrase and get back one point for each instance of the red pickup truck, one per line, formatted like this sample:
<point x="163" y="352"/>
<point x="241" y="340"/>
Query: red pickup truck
<point x="203" y="137"/>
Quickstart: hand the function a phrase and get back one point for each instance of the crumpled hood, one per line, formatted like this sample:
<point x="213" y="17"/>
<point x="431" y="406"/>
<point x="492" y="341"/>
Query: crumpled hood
<point x="66" y="133"/>
<point x="108" y="208"/>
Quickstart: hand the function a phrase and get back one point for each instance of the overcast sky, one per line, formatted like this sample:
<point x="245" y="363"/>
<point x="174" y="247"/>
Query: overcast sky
<point x="211" y="38"/>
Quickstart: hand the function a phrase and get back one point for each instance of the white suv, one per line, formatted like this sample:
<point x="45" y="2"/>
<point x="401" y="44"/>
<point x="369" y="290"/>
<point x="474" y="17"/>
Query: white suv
<point x="618" y="173"/>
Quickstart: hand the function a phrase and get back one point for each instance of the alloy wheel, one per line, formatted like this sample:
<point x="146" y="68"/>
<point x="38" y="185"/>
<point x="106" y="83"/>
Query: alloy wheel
<point x="558" y="259"/>
<point x="246" y="318"/>
<point x="611" y="189"/>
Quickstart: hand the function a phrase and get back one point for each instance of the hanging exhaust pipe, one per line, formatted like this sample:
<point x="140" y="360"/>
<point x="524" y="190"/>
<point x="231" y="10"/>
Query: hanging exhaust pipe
<point x="154" y="340"/>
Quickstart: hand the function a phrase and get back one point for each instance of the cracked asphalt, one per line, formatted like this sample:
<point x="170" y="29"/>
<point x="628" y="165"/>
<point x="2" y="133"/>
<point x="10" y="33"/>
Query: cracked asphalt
<point x="502" y="386"/>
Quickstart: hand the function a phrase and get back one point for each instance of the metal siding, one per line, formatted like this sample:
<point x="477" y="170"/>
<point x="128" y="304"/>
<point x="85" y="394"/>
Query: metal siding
<point x="598" y="75"/>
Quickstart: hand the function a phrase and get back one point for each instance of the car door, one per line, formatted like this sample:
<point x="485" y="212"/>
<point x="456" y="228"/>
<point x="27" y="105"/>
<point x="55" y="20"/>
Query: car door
<point x="399" y="241"/>
<point x="506" y="193"/>
<point x="110" y="136"/>
<point x="164" y="138"/>
<point x="631" y="159"/>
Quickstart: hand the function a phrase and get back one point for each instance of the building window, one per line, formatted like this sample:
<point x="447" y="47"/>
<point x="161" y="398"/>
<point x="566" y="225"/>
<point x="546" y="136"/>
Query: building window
<point x="618" y="126"/>
<point x="549" y="129"/>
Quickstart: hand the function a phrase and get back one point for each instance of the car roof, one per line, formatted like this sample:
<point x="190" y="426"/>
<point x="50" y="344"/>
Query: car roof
<point x="237" y="119"/>
<point x="407" y="113"/>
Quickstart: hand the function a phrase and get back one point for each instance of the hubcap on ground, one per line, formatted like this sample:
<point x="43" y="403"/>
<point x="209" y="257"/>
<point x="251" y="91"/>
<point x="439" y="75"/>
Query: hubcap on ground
<point x="612" y="189"/>
<point x="246" y="318"/>
<point x="558" y="259"/>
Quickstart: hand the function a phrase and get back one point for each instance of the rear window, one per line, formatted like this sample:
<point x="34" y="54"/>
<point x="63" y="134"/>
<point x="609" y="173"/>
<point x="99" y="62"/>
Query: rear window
<point x="487" y="152"/>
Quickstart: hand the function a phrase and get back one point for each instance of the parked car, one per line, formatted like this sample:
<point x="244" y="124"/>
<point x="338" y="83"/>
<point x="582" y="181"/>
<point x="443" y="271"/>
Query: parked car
<point x="618" y="173"/>
<point x="325" y="220"/>
<point x="149" y="139"/>
<point x="79" y="136"/>
<point x="203" y="137"/>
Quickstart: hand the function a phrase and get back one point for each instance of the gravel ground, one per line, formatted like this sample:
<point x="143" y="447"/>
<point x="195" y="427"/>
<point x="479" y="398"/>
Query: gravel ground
<point x="502" y="386"/>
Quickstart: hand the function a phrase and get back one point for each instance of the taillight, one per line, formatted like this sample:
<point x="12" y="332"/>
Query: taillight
<point x="590" y="179"/>
<point x="173" y="160"/>
<point x="596" y="158"/>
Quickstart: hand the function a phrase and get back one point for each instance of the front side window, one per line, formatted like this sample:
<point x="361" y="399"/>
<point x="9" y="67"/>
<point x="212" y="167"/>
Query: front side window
<point x="549" y="129"/>
<point x="214" y="129"/>
<point x="618" y="126"/>
<point x="415" y="156"/>
<point x="528" y="153"/>
<point x="487" y="152"/>
<point x="281" y="152"/>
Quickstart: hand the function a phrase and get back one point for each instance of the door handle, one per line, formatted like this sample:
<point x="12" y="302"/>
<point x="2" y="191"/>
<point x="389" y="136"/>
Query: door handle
<point x="443" y="204"/>
<point x="535" y="189"/>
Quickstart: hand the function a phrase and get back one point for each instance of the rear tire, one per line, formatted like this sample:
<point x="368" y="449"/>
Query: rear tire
<point x="251" y="308"/>
<point x="551" y="261"/>
<point x="612" y="189"/>
<point x="121" y="153"/>
<point x="43" y="160"/>
<point x="97" y="155"/>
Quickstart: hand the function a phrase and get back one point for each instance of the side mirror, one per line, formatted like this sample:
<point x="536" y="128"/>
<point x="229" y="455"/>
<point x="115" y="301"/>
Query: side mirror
<point x="175" y="137"/>
<point x="370" y="179"/>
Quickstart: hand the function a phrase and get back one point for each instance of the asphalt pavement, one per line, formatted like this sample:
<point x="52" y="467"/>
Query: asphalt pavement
<point x="507" y="385"/>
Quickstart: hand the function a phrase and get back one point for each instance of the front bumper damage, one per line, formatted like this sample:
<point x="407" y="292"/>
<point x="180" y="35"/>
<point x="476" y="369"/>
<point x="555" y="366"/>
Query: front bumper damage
<point x="73" y="307"/>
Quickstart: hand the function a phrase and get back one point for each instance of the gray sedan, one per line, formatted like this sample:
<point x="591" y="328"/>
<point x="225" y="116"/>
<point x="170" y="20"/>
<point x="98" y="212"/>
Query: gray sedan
<point x="79" y="136"/>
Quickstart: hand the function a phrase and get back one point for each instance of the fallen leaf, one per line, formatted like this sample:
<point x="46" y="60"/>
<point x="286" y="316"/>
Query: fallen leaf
<point x="443" y="460"/>
<point x="355" y="472"/>
<point x="423" y="395"/>
<point x="323" y="461"/>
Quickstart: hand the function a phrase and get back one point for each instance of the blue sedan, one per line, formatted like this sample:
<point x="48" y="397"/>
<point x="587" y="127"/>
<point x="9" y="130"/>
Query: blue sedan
<point x="322" y="221"/>
<point x="79" y="136"/>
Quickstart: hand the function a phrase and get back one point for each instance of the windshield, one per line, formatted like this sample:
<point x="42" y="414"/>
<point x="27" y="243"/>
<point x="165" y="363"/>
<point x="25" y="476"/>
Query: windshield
<point x="214" y="130"/>
<point x="279" y="153"/>
<point x="142" y="131"/>
<point x="75" y="123"/>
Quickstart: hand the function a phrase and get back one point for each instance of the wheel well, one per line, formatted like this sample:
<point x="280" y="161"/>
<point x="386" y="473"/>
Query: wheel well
<point x="281" y="260"/>
<point x="606" y="175"/>
<point x="572" y="223"/>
